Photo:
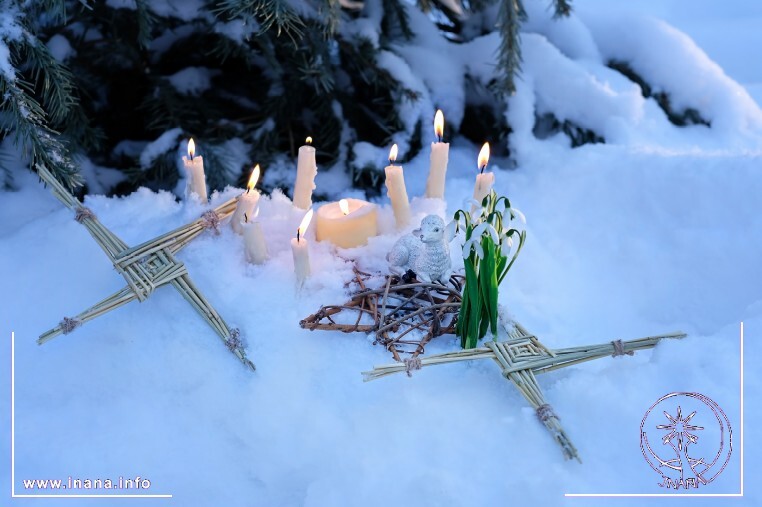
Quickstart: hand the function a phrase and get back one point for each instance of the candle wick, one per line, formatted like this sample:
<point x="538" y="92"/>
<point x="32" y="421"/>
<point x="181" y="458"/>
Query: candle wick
<point x="439" y="139"/>
<point x="481" y="169"/>
<point x="246" y="218"/>
<point x="297" y="235"/>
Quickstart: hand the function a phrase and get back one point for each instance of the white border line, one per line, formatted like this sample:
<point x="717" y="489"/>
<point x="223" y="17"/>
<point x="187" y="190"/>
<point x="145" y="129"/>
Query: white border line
<point x="13" y="445"/>
<point x="679" y="495"/>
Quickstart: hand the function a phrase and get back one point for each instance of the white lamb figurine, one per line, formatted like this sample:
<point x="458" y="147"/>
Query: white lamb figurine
<point x="425" y="252"/>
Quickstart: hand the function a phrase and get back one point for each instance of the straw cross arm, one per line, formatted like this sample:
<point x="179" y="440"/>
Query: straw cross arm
<point x="146" y="267"/>
<point x="552" y="359"/>
<point x="520" y="358"/>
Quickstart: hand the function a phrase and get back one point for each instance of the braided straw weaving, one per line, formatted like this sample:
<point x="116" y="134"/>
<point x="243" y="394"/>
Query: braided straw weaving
<point x="146" y="267"/>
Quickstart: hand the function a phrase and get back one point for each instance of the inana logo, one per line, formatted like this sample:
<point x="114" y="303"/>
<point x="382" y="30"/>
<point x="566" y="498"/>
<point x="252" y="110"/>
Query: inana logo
<point x="686" y="438"/>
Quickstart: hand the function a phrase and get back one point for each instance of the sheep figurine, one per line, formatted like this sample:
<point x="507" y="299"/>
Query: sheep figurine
<point x="424" y="252"/>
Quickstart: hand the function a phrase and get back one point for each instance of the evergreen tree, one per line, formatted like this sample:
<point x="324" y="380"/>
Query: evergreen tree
<point x="114" y="81"/>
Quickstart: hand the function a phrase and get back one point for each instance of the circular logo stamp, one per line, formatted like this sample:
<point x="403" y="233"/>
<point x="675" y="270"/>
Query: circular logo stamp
<point x="686" y="438"/>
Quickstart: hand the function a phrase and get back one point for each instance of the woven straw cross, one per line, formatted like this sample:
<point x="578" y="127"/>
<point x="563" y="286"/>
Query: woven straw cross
<point x="520" y="358"/>
<point x="146" y="267"/>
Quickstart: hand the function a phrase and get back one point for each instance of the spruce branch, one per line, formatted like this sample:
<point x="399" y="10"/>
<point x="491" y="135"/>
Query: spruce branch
<point x="396" y="16"/>
<point x="331" y="11"/>
<point x="55" y="10"/>
<point x="24" y="118"/>
<point x="562" y="8"/>
<point x="511" y="15"/>
<point x="145" y="21"/>
<point x="53" y="79"/>
<point x="270" y="14"/>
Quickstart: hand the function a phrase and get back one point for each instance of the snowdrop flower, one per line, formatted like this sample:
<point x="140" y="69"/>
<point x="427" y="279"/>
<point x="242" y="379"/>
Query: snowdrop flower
<point x="467" y="203"/>
<point x="506" y="245"/>
<point x="488" y="228"/>
<point x="519" y="215"/>
<point x="495" y="236"/>
<point x="475" y="243"/>
<point x="451" y="230"/>
<point x="476" y="206"/>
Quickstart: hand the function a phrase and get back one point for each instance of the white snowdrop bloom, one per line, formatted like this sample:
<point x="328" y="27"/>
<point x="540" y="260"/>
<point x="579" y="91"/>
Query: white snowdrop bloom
<point x="505" y="247"/>
<point x="479" y="250"/>
<point x="477" y="207"/>
<point x="479" y="229"/>
<point x="519" y="215"/>
<point x="468" y="203"/>
<point x="466" y="249"/>
<point x="475" y="244"/>
<point x="451" y="230"/>
<point x="492" y="232"/>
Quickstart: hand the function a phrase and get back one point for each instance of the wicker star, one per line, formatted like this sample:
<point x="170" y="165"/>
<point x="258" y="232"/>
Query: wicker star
<point x="406" y="315"/>
<point x="146" y="267"/>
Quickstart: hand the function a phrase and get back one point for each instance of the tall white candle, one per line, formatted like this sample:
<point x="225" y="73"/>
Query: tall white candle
<point x="300" y="250"/>
<point x="484" y="181"/>
<point x="395" y="185"/>
<point x="246" y="202"/>
<point x="194" y="166"/>
<point x="347" y="223"/>
<point x="254" y="239"/>
<point x="440" y="152"/>
<point x="306" y="170"/>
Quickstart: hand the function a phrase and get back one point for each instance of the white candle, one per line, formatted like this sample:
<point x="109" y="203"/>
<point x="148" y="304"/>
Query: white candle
<point x="347" y="223"/>
<point x="306" y="170"/>
<point x="300" y="250"/>
<point x="194" y="166"/>
<point x="254" y="240"/>
<point x="246" y="202"/>
<point x="440" y="152"/>
<point x="484" y="181"/>
<point x="395" y="185"/>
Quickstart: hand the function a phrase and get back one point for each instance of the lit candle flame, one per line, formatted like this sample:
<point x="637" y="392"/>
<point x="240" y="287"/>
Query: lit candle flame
<point x="308" y="140"/>
<point x="191" y="148"/>
<point x="393" y="153"/>
<point x="484" y="157"/>
<point x="439" y="124"/>
<point x="344" y="205"/>
<point x="303" y="226"/>
<point x="253" y="179"/>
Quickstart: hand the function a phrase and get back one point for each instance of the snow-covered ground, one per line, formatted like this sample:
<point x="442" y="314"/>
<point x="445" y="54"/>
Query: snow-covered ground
<point x="657" y="230"/>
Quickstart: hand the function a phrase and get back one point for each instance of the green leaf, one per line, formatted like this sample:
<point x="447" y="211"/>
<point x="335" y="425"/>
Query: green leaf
<point x="485" y="269"/>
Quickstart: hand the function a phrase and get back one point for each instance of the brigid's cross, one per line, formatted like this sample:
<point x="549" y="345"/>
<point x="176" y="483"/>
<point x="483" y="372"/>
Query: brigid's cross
<point x="146" y="267"/>
<point x="520" y="358"/>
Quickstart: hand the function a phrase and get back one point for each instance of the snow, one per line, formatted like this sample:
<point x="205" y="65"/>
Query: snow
<point x="165" y="142"/>
<point x="669" y="60"/>
<point x="237" y="29"/>
<point x="122" y="4"/>
<point x="193" y="80"/>
<point x="656" y="230"/>
<point x="99" y="179"/>
<point x="185" y="10"/>
<point x="10" y="30"/>
<point x="6" y="67"/>
<point x="60" y="47"/>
